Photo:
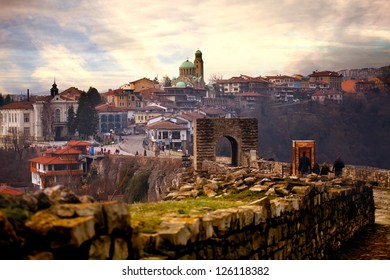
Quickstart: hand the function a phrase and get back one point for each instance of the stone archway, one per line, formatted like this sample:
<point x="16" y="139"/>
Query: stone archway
<point x="241" y="132"/>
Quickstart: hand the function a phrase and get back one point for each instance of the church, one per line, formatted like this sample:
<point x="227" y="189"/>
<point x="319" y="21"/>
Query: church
<point x="191" y="74"/>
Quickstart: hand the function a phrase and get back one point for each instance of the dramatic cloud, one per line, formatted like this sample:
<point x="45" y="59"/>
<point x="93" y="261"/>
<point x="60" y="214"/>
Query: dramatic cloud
<point x="106" y="43"/>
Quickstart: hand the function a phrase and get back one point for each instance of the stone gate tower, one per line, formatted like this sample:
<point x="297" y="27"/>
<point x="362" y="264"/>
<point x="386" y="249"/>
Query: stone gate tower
<point x="242" y="134"/>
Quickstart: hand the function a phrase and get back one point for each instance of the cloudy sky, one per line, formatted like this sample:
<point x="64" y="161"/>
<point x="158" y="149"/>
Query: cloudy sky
<point x="107" y="43"/>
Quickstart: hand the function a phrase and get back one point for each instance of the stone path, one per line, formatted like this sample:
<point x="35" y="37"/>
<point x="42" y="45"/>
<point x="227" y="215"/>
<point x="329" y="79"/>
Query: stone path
<point x="372" y="243"/>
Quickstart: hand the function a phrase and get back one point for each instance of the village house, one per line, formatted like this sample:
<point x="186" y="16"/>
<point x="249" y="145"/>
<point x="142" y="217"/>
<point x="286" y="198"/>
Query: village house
<point x="243" y="83"/>
<point x="330" y="95"/>
<point x="325" y="80"/>
<point x="60" y="165"/>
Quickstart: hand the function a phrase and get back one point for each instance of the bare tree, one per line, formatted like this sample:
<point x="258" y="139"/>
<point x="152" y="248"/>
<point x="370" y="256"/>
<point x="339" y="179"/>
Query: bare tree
<point x="47" y="121"/>
<point x="213" y="80"/>
<point x="20" y="142"/>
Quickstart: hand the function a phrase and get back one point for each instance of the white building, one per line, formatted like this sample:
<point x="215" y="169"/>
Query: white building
<point x="36" y="119"/>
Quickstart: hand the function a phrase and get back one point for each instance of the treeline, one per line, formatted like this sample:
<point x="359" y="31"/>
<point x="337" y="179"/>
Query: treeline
<point x="358" y="129"/>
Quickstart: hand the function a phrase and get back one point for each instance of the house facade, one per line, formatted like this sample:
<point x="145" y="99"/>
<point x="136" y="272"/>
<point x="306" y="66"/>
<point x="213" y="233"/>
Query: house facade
<point x="60" y="165"/>
<point x="242" y="83"/>
<point x="325" y="79"/>
<point x="39" y="118"/>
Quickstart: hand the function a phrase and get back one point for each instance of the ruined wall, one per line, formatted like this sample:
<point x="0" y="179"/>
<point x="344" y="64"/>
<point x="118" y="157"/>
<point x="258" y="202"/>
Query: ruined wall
<point x="241" y="132"/>
<point x="310" y="222"/>
<point x="379" y="177"/>
<point x="313" y="220"/>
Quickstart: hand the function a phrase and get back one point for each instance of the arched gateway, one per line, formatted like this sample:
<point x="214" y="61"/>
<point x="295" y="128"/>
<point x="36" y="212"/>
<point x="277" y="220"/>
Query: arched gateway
<point x="241" y="132"/>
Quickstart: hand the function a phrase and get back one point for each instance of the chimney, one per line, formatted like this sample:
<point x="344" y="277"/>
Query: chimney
<point x="28" y="95"/>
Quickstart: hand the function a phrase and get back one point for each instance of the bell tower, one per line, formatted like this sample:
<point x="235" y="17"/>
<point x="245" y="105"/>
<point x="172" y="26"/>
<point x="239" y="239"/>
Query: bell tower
<point x="198" y="62"/>
<point x="54" y="89"/>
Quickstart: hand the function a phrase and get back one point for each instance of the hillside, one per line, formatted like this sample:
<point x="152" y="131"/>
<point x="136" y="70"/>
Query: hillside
<point x="358" y="130"/>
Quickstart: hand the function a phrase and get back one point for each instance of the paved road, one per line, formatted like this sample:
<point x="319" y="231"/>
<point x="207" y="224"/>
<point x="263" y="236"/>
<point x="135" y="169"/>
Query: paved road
<point x="372" y="243"/>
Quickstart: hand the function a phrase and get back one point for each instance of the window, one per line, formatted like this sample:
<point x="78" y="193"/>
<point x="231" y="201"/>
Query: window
<point x="175" y="134"/>
<point x="57" y="116"/>
<point x="26" y="117"/>
<point x="26" y="132"/>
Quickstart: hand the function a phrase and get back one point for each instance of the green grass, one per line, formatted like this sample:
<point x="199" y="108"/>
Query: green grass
<point x="147" y="216"/>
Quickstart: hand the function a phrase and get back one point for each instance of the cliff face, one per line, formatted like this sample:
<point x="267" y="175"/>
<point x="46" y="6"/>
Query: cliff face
<point x="135" y="179"/>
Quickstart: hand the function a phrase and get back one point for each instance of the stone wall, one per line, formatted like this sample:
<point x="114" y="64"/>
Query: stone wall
<point x="379" y="177"/>
<point x="56" y="224"/>
<point x="296" y="219"/>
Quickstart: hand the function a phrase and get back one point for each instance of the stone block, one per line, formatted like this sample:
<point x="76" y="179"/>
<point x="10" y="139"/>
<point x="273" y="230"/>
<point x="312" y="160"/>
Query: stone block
<point x="175" y="234"/>
<point x="121" y="250"/>
<point x="100" y="248"/>
<point x="117" y="215"/>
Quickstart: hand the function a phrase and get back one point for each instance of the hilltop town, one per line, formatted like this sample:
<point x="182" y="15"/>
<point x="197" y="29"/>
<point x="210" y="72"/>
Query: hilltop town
<point x="163" y="112"/>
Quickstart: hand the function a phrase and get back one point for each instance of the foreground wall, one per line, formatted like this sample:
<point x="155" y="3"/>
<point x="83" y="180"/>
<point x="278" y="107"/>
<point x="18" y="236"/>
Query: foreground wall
<point x="311" y="221"/>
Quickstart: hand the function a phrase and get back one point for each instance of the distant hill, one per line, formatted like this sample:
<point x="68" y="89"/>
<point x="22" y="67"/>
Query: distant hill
<point x="358" y="130"/>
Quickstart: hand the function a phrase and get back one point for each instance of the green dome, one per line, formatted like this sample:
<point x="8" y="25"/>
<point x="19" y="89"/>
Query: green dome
<point x="198" y="52"/>
<point x="187" y="64"/>
<point x="181" y="84"/>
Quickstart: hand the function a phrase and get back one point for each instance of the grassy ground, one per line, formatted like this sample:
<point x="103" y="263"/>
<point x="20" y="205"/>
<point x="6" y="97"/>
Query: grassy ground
<point x="147" y="216"/>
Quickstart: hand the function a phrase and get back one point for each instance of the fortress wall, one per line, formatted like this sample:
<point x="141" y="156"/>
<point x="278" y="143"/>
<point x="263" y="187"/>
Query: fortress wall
<point x="314" y="220"/>
<point x="310" y="225"/>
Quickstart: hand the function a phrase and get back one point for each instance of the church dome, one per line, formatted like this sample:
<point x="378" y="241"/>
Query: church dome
<point x="181" y="85"/>
<point x="186" y="65"/>
<point x="198" y="52"/>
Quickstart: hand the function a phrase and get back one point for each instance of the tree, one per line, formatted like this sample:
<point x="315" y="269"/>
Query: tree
<point x="71" y="121"/>
<point x="213" y="80"/>
<point x="7" y="99"/>
<point x="87" y="118"/>
<point x="47" y="121"/>
<point x="166" y="81"/>
<point x="93" y="96"/>
<point x="1" y="100"/>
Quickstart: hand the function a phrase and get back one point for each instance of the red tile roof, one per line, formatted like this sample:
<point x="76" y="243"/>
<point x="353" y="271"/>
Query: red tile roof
<point x="53" y="160"/>
<point x="108" y="107"/>
<point x="113" y="92"/>
<point x="325" y="73"/>
<point x="166" y="125"/>
<point x="9" y="190"/>
<point x="71" y="93"/>
<point x="18" y="105"/>
<point x="244" y="79"/>
<point x="79" y="143"/>
<point x="67" y="151"/>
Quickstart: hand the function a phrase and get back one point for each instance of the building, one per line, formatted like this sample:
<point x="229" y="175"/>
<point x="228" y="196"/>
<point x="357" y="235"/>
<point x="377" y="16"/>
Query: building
<point x="111" y="119"/>
<point x="60" y="165"/>
<point x="141" y="84"/>
<point x="149" y="112"/>
<point x="192" y="74"/>
<point x="124" y="98"/>
<point x="325" y="79"/>
<point x="243" y="83"/>
<point x="329" y="95"/>
<point x="38" y="118"/>
<point x="167" y="134"/>
<point x="248" y="100"/>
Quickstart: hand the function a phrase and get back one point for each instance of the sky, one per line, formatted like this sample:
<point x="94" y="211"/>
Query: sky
<point x="108" y="43"/>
